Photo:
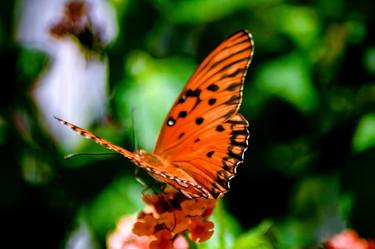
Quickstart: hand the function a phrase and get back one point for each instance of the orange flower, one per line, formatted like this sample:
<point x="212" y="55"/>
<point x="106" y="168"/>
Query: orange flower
<point x="124" y="238"/>
<point x="200" y="229"/>
<point x="171" y="214"/>
<point x="163" y="240"/>
<point x="145" y="225"/>
<point x="175" y="221"/>
<point x="167" y="219"/>
<point x="198" y="207"/>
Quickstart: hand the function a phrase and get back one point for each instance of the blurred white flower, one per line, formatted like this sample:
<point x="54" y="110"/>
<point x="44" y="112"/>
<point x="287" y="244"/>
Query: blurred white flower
<point x="124" y="238"/>
<point x="73" y="86"/>
<point x="80" y="238"/>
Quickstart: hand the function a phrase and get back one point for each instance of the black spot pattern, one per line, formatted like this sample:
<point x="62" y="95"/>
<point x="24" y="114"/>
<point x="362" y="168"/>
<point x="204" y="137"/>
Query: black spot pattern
<point x="235" y="143"/>
<point x="213" y="88"/>
<point x="228" y="114"/>
<point x="234" y="155"/>
<point x="196" y="140"/>
<point x="220" y="128"/>
<point x="181" y="135"/>
<point x="199" y="121"/>
<point x="212" y="101"/>
<point x="182" y="114"/>
<point x="222" y="181"/>
<point x="181" y="100"/>
<point x="191" y="93"/>
<point x="218" y="63"/>
<point x="234" y="74"/>
<point x="234" y="100"/>
<point x="235" y="151"/>
<point x="210" y="154"/>
<point x="171" y="121"/>
<point x="227" y="168"/>
<point x="233" y="87"/>
<point x="226" y="67"/>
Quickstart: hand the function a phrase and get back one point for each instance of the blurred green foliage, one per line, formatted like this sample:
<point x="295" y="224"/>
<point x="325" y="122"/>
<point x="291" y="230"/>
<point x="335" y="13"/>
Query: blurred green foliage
<point x="309" y="96"/>
<point x="293" y="84"/>
<point x="258" y="237"/>
<point x="146" y="94"/>
<point x="364" y="136"/>
<point x="227" y="230"/>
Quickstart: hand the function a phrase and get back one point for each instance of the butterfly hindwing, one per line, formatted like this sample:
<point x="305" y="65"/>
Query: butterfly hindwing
<point x="213" y="159"/>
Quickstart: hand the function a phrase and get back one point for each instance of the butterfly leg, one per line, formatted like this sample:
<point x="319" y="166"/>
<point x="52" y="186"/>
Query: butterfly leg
<point x="147" y="187"/>
<point x="139" y="179"/>
<point x="143" y="183"/>
<point x="162" y="187"/>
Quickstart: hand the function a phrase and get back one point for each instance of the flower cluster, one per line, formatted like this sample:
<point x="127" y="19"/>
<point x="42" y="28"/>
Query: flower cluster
<point x="168" y="217"/>
<point x="170" y="214"/>
<point x="349" y="239"/>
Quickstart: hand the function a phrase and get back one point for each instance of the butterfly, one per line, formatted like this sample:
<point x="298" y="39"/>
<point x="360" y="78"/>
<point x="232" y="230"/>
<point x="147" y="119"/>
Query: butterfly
<point x="203" y="137"/>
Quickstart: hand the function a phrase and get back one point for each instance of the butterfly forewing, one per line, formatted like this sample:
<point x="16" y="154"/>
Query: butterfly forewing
<point x="203" y="134"/>
<point x="211" y="96"/>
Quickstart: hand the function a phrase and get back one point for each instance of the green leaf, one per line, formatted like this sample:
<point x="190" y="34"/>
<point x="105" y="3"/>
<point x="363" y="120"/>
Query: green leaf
<point x="258" y="237"/>
<point x="123" y="196"/>
<point x="299" y="23"/>
<point x="317" y="212"/>
<point x="151" y="87"/>
<point x="289" y="78"/>
<point x="369" y="60"/>
<point x="196" y="11"/>
<point x="364" y="136"/>
<point x="292" y="158"/>
<point x="30" y="64"/>
<point x="294" y="233"/>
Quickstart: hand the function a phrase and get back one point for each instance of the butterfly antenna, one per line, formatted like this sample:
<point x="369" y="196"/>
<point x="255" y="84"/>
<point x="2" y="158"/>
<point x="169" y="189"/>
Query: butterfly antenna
<point x="139" y="179"/>
<point x="70" y="156"/>
<point x="135" y="143"/>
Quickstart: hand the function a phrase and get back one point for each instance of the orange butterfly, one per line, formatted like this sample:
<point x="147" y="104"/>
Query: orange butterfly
<point x="203" y="138"/>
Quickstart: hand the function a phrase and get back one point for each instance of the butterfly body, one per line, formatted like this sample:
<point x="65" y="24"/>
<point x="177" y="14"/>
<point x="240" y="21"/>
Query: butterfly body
<point x="203" y="138"/>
